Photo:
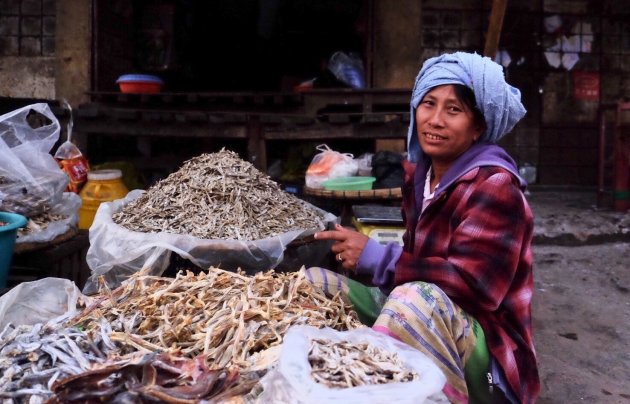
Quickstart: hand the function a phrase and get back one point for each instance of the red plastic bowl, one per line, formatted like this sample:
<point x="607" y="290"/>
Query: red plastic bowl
<point x="140" y="87"/>
<point x="139" y="83"/>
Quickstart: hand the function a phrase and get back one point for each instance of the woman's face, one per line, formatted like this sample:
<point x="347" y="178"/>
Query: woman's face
<point x="445" y="126"/>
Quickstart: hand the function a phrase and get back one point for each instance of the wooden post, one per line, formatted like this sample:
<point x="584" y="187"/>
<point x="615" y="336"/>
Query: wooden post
<point x="494" y="28"/>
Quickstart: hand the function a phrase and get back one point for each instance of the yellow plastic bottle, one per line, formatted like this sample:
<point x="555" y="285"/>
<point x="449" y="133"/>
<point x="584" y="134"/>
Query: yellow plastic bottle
<point x="101" y="186"/>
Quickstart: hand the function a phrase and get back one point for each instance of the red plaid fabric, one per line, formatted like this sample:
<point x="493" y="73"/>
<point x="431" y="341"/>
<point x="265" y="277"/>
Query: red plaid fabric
<point x="474" y="242"/>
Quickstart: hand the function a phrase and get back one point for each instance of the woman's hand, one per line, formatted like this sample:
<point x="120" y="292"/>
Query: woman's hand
<point x="348" y="246"/>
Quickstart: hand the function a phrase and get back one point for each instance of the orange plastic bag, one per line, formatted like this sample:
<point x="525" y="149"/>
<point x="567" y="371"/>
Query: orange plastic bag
<point x="71" y="160"/>
<point x="329" y="164"/>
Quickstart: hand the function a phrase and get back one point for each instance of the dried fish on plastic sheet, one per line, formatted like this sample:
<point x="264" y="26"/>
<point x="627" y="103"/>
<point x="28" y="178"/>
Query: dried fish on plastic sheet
<point x="39" y="223"/>
<point x="343" y="364"/>
<point x="33" y="357"/>
<point x="225" y="316"/>
<point x="218" y="196"/>
<point x="22" y="198"/>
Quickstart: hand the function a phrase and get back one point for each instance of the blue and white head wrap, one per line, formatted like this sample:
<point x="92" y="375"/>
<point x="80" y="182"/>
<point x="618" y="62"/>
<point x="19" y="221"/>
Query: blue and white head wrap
<point x="499" y="102"/>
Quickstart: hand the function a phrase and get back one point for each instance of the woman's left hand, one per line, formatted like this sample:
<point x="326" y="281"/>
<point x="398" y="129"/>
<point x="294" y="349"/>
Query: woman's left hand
<point x="348" y="246"/>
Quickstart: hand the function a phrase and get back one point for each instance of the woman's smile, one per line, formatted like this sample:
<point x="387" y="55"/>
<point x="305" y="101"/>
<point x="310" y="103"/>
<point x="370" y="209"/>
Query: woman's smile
<point x="434" y="136"/>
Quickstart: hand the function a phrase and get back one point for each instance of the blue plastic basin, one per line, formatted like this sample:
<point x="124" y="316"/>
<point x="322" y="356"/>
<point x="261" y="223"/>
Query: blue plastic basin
<point x="8" y="234"/>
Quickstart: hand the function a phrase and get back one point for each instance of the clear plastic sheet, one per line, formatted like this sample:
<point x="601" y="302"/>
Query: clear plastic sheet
<point x="68" y="207"/>
<point x="117" y="253"/>
<point x="39" y="301"/>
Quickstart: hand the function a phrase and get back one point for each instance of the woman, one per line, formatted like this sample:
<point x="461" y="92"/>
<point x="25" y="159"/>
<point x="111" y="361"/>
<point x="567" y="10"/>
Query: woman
<point x="460" y="288"/>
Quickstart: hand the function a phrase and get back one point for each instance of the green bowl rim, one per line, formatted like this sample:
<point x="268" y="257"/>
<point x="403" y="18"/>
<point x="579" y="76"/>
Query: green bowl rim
<point x="349" y="180"/>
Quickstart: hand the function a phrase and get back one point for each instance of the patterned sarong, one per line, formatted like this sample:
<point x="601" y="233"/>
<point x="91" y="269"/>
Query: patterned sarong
<point x="417" y="313"/>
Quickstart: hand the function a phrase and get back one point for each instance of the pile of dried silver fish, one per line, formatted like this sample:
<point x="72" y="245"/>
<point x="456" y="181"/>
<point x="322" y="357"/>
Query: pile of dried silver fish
<point x="39" y="223"/>
<point x="342" y="365"/>
<point x="33" y="357"/>
<point x="225" y="316"/>
<point x="28" y="199"/>
<point x="149" y="378"/>
<point x="218" y="196"/>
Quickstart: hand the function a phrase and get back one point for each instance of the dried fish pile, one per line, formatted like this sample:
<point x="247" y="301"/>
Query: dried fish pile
<point x="342" y="365"/>
<point x="225" y="316"/>
<point x="218" y="196"/>
<point x="28" y="199"/>
<point x="142" y="378"/>
<point x="32" y="358"/>
<point x="39" y="223"/>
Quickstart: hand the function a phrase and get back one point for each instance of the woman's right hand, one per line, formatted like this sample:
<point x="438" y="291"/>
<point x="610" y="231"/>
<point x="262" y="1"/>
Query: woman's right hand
<point x="348" y="246"/>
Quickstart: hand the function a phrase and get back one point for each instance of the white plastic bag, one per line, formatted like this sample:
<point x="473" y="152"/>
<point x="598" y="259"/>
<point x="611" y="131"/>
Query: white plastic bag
<point x="328" y="164"/>
<point x="291" y="382"/>
<point x="118" y="253"/>
<point x="30" y="179"/>
<point x="39" y="301"/>
<point x="348" y="68"/>
<point x="68" y="207"/>
<point x="364" y="162"/>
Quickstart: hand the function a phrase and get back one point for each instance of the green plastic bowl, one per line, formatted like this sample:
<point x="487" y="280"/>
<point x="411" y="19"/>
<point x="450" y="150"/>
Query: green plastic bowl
<point x="349" y="184"/>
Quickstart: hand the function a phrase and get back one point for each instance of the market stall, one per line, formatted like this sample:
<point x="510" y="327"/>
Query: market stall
<point x="235" y="317"/>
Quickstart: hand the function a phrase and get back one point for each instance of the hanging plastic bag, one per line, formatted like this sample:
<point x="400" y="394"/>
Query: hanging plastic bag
<point x="71" y="160"/>
<point x="348" y="68"/>
<point x="291" y="380"/>
<point x="329" y="164"/>
<point x="30" y="179"/>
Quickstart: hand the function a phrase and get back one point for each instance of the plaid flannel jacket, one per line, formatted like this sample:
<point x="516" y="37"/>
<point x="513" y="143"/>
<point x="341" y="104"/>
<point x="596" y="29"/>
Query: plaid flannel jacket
<point x="474" y="242"/>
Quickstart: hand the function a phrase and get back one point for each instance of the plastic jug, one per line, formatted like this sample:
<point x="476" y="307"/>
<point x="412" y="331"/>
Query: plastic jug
<point x="101" y="186"/>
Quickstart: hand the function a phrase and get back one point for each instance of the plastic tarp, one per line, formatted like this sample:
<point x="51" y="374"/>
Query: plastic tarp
<point x="117" y="253"/>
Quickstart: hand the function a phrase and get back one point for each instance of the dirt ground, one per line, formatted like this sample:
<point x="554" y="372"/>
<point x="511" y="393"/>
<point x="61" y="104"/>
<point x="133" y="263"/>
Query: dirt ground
<point x="581" y="306"/>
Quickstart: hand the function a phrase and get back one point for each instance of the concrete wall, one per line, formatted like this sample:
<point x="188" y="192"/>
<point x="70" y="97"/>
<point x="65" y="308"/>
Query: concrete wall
<point x="27" y="77"/>
<point x="27" y="33"/>
<point x="73" y="55"/>
<point x="397" y="43"/>
<point x="45" y="49"/>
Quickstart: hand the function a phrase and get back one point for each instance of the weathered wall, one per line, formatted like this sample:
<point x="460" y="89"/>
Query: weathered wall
<point x="45" y="49"/>
<point x="397" y="45"/>
<point x="73" y="44"/>
<point x="27" y="77"/>
<point x="27" y="49"/>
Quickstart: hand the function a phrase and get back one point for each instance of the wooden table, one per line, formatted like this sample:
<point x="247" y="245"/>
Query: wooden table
<point x="345" y="199"/>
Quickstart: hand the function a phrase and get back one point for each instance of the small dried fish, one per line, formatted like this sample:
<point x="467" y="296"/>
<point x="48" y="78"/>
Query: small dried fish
<point x="39" y="223"/>
<point x="342" y="365"/>
<point x="33" y="357"/>
<point x="218" y="196"/>
<point x="28" y="198"/>
<point x="225" y="316"/>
